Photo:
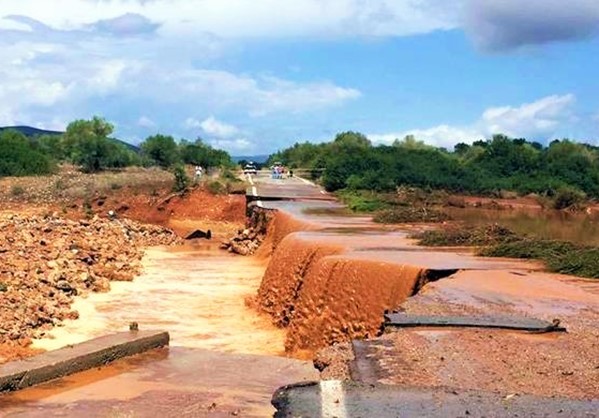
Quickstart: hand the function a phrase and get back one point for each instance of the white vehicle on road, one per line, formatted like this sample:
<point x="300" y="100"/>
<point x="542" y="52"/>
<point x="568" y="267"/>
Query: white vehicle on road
<point x="249" y="169"/>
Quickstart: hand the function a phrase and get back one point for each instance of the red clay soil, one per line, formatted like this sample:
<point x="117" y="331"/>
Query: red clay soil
<point x="197" y="204"/>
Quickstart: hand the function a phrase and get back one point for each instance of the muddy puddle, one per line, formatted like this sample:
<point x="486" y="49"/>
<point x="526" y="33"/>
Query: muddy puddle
<point x="196" y="293"/>
<point x="575" y="227"/>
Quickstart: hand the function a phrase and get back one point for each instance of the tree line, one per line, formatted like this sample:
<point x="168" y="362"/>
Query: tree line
<point x="88" y="144"/>
<point x="351" y="161"/>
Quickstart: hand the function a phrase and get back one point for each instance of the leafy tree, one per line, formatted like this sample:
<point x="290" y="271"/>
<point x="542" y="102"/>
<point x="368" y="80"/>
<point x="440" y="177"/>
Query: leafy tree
<point x="410" y="142"/>
<point x="161" y="149"/>
<point x="200" y="153"/>
<point x="86" y="143"/>
<point x="18" y="157"/>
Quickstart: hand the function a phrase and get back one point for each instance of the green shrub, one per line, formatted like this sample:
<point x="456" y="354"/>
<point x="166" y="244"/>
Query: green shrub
<point x="216" y="187"/>
<point x="17" y="191"/>
<point x="559" y="256"/>
<point x="465" y="236"/>
<point x="567" y="198"/>
<point x="19" y="158"/>
<point x="181" y="179"/>
<point x="361" y="201"/>
<point x="161" y="149"/>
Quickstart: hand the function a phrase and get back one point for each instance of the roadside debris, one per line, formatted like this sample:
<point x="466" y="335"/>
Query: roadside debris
<point x="47" y="260"/>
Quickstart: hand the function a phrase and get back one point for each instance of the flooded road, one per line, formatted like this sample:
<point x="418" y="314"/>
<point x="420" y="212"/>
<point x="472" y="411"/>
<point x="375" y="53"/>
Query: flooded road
<point x="325" y="278"/>
<point x="196" y="293"/>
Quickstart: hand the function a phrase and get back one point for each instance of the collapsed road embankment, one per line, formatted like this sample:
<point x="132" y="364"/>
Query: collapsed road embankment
<point x="317" y="288"/>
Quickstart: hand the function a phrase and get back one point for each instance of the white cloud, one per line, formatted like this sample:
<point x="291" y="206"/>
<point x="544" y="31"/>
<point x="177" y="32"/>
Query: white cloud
<point x="146" y="122"/>
<point x="234" y="146"/>
<point x="9" y="24"/>
<point x="192" y="123"/>
<point x="439" y="136"/>
<point x="243" y="18"/>
<point x="540" y="119"/>
<point x="213" y="127"/>
<point x="80" y="74"/>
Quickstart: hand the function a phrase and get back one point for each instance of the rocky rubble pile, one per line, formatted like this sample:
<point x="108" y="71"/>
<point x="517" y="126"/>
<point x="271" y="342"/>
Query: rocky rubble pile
<point x="46" y="261"/>
<point x="246" y="242"/>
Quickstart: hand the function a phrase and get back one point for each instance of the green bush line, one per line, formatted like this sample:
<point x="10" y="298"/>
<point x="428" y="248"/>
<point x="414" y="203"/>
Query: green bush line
<point x="486" y="167"/>
<point x="87" y="143"/>
<point x="496" y="241"/>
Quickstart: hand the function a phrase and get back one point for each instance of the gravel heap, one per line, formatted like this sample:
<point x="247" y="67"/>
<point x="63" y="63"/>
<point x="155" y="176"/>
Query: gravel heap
<point x="46" y="260"/>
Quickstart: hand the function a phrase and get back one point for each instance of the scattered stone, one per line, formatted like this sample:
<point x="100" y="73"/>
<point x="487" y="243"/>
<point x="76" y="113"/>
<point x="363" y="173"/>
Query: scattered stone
<point x="248" y="240"/>
<point x="52" y="259"/>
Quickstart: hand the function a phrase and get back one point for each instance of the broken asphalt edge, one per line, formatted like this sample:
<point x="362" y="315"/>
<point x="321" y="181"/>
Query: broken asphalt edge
<point x="76" y="358"/>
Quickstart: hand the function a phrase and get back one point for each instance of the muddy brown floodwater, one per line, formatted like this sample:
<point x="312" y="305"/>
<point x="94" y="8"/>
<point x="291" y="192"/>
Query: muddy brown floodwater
<point x="577" y="227"/>
<point x="196" y="293"/>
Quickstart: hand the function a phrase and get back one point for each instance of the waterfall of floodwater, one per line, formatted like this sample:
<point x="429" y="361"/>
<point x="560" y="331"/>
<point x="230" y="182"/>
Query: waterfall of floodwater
<point x="323" y="296"/>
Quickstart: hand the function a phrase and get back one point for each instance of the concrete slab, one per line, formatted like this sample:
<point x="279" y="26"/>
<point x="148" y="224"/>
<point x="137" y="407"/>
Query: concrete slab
<point x="51" y="365"/>
<point x="348" y="399"/>
<point x="401" y="320"/>
<point x="167" y="382"/>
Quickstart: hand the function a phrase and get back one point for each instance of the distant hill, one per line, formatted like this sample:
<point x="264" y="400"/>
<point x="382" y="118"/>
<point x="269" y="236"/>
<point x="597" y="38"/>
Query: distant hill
<point x="260" y="159"/>
<point x="31" y="131"/>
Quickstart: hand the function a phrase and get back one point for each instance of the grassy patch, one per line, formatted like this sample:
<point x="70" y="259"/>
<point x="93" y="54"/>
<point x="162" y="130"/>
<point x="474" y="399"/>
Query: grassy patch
<point x="363" y="201"/>
<point x="559" y="256"/>
<point x="17" y="191"/>
<point x="461" y="236"/>
<point x="496" y="241"/>
<point x="403" y="214"/>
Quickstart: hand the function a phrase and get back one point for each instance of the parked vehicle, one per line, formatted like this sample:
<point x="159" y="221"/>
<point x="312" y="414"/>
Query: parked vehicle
<point x="249" y="169"/>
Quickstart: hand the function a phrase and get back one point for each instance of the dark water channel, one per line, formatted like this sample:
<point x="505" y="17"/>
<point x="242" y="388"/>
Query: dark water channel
<point x="575" y="227"/>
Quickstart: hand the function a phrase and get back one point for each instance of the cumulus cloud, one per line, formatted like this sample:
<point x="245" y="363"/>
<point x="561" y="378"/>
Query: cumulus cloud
<point x="213" y="127"/>
<point x="81" y="72"/>
<point x="234" y="146"/>
<point x="9" y="24"/>
<point x="146" y="122"/>
<point x="242" y="18"/>
<point x="127" y="24"/>
<point x="440" y="136"/>
<point x="539" y="120"/>
<point x="509" y="24"/>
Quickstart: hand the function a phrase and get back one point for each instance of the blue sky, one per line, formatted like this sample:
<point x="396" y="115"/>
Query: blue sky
<point x="253" y="76"/>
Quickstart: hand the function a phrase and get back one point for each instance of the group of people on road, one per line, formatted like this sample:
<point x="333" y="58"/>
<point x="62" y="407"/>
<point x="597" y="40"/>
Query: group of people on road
<point x="278" y="171"/>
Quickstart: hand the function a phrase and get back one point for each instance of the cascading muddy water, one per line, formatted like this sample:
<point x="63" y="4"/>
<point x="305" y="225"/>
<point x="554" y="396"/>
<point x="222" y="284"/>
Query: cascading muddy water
<point x="322" y="295"/>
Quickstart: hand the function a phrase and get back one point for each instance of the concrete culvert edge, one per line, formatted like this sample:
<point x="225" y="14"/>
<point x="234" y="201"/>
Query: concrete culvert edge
<point x="51" y="365"/>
